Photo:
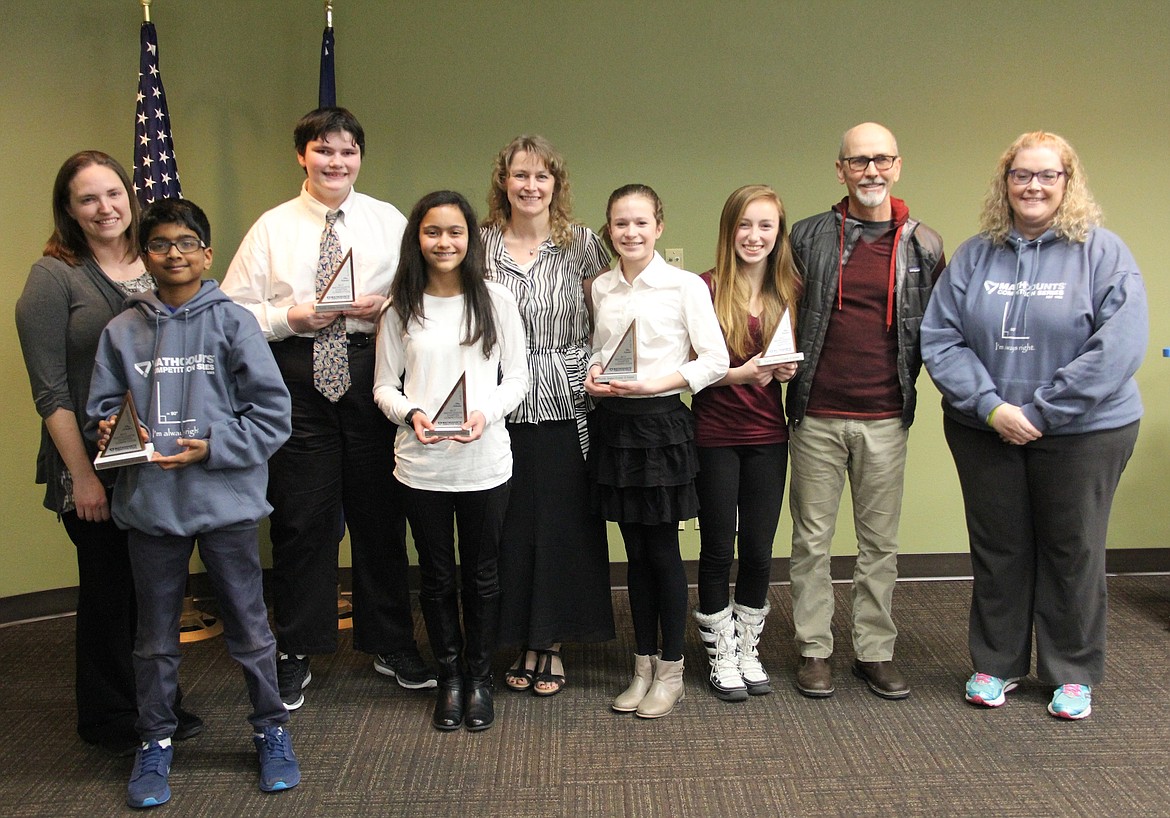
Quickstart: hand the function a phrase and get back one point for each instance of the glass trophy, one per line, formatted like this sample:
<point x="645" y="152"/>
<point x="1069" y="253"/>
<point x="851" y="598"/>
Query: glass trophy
<point x="339" y="293"/>
<point x="125" y="446"/>
<point x="623" y="363"/>
<point x="782" y="348"/>
<point x="449" y="420"/>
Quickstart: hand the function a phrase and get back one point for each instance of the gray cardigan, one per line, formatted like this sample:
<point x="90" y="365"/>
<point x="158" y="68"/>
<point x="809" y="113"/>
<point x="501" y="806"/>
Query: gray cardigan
<point x="59" y="318"/>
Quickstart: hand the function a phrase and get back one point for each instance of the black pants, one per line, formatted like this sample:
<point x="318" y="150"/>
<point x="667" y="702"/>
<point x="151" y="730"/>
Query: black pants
<point x="337" y="470"/>
<point x="1037" y="517"/>
<point x="479" y="516"/>
<point x="750" y="480"/>
<point x="657" y="587"/>
<point x="106" y="618"/>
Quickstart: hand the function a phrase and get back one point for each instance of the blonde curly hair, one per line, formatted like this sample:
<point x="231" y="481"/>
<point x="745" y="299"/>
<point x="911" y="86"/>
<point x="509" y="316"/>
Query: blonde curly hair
<point x="560" y="209"/>
<point x="1078" y="213"/>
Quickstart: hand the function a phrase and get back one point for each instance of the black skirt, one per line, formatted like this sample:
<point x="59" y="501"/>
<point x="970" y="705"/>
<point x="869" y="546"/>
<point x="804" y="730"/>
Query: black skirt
<point x="554" y="555"/>
<point x="643" y="460"/>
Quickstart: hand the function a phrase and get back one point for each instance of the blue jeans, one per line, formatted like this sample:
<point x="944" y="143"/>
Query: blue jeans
<point x="160" y="577"/>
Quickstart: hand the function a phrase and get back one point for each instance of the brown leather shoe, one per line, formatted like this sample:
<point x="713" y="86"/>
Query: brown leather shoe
<point x="883" y="679"/>
<point x="814" y="677"/>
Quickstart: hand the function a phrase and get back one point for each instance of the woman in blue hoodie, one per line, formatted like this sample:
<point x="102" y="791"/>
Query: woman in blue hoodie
<point x="1033" y="335"/>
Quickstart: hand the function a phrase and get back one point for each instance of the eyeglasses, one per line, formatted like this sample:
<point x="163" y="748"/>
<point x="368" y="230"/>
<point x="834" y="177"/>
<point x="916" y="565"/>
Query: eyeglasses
<point x="860" y="163"/>
<point x="161" y="247"/>
<point x="1048" y="178"/>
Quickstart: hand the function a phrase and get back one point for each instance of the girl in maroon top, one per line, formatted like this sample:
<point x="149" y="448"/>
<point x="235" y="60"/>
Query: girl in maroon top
<point x="743" y="438"/>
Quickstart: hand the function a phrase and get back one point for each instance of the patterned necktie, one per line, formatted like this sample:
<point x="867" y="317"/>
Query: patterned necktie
<point x="330" y="347"/>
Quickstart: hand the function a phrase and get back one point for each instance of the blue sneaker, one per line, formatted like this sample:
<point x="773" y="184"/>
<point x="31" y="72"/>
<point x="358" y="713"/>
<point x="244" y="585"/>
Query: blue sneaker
<point x="1072" y="702"/>
<point x="278" y="764"/>
<point x="989" y="691"/>
<point x="148" y="781"/>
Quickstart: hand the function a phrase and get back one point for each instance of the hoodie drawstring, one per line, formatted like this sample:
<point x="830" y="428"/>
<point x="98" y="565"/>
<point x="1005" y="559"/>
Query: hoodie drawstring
<point x="893" y="270"/>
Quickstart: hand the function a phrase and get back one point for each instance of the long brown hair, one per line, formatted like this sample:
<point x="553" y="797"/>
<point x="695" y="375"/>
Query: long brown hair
<point x="781" y="286"/>
<point x="68" y="242"/>
<point x="560" y="207"/>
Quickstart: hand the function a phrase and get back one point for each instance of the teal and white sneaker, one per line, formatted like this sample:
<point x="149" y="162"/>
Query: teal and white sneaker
<point x="989" y="691"/>
<point x="1072" y="702"/>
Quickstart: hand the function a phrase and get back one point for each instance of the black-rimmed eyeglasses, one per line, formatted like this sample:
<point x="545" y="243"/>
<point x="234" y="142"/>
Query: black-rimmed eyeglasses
<point x="160" y="247"/>
<point x="859" y="163"/>
<point x="1048" y="178"/>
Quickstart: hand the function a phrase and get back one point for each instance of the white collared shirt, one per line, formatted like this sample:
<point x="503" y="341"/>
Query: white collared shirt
<point x="276" y="266"/>
<point x="674" y="316"/>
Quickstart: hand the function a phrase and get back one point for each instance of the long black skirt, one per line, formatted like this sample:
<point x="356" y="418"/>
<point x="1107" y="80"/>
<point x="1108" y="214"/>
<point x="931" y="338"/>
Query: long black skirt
<point x="643" y="460"/>
<point x="554" y="556"/>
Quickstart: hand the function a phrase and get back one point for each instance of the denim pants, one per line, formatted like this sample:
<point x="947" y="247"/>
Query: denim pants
<point x="232" y="559"/>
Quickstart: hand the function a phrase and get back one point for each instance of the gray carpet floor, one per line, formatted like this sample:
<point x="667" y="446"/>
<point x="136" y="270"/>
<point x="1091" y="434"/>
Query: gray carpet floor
<point x="366" y="747"/>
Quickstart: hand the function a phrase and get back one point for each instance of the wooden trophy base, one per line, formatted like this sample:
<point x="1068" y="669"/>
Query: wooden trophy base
<point x="344" y="612"/>
<point x="196" y="625"/>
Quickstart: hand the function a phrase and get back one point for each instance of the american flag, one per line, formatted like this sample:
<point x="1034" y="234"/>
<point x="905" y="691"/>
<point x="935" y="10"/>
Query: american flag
<point x="156" y="175"/>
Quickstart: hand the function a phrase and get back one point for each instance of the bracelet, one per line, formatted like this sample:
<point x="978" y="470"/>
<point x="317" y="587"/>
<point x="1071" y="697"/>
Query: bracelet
<point x="409" y="419"/>
<point x="991" y="414"/>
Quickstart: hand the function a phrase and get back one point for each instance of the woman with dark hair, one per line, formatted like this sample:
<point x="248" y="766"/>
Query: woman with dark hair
<point x="554" y="557"/>
<point x="1033" y="335"/>
<point x="743" y="438"/>
<point x="452" y="341"/>
<point x="91" y="264"/>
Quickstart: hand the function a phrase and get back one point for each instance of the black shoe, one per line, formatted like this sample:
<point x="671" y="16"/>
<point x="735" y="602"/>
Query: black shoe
<point x="189" y="725"/>
<point x="119" y="743"/>
<point x="407" y="668"/>
<point x="883" y="679"/>
<point x="292" y="677"/>
<point x="480" y="712"/>
<point x="449" y="706"/>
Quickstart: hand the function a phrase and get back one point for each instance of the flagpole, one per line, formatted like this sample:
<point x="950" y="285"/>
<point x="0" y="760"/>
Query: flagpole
<point x="327" y="82"/>
<point x="146" y="11"/>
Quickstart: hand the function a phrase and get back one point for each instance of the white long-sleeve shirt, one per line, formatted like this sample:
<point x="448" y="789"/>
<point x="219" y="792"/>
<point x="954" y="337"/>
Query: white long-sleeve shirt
<point x="276" y="266"/>
<point x="674" y="315"/>
<point x="433" y="359"/>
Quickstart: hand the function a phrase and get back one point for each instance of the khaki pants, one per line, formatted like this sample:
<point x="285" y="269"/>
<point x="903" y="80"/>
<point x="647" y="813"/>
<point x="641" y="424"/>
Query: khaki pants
<point x="872" y="453"/>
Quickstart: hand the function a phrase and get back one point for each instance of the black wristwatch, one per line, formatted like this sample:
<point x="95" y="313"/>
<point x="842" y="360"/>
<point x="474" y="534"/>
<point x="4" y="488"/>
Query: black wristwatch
<point x="409" y="419"/>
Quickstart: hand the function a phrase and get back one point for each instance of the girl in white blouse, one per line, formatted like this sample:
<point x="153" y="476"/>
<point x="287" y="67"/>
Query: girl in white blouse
<point x="643" y="458"/>
<point x="448" y="326"/>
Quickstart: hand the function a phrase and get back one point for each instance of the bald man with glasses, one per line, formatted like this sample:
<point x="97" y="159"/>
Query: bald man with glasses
<point x="868" y="270"/>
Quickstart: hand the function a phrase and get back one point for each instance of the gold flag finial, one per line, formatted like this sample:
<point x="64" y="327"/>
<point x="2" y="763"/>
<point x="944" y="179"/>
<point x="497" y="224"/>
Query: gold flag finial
<point x="146" y="11"/>
<point x="328" y="13"/>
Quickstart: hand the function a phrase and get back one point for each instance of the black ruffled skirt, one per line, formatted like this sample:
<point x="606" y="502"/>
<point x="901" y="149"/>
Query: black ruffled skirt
<point x="643" y="460"/>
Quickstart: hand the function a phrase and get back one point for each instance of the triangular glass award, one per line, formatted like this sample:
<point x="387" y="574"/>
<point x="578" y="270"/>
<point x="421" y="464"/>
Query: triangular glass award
<point x="339" y="291"/>
<point x="449" y="420"/>
<point x="782" y="348"/>
<point x="623" y="363"/>
<point x="125" y="447"/>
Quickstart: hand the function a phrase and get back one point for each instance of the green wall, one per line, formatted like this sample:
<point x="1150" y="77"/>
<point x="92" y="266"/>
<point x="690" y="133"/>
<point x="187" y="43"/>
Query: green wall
<point x="694" y="98"/>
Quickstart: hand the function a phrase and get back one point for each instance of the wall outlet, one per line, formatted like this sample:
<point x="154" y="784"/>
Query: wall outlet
<point x="674" y="257"/>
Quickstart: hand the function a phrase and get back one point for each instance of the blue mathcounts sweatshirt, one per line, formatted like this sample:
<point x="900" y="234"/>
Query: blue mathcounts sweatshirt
<point x="202" y="371"/>
<point x="1055" y="327"/>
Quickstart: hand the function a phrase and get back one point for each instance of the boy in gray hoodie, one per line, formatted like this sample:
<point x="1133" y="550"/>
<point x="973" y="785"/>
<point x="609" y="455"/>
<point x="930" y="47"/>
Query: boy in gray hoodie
<point x="215" y="407"/>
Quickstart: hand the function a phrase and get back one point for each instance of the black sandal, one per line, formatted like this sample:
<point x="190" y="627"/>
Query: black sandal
<point x="520" y="677"/>
<point x="546" y="676"/>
